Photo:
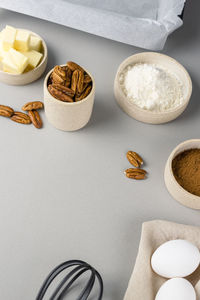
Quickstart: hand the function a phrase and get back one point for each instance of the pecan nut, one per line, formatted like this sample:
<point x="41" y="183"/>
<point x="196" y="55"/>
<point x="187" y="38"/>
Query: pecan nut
<point x="85" y="85"/>
<point x="59" y="71"/>
<point x="84" y="94"/>
<point x="55" y="78"/>
<point x="68" y="73"/>
<point x="80" y="82"/>
<point x="20" y="117"/>
<point x="73" y="66"/>
<point x="35" y="118"/>
<point x="64" y="89"/>
<point x="134" y="159"/>
<point x="58" y="94"/>
<point x="58" y="75"/>
<point x="87" y="78"/>
<point x="33" y="105"/>
<point x="6" y="111"/>
<point x="69" y="83"/>
<point x="74" y="82"/>
<point x="137" y="174"/>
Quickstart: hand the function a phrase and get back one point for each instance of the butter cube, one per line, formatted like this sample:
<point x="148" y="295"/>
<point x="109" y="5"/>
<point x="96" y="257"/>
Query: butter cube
<point x="33" y="57"/>
<point x="1" y="49"/>
<point x="8" y="39"/>
<point x="35" y="43"/>
<point x="19" y="59"/>
<point x="8" y="64"/>
<point x="2" y="52"/>
<point x="28" y="68"/>
<point x="22" y="40"/>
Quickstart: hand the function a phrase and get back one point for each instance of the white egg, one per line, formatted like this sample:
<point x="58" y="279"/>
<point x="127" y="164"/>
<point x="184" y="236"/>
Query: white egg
<point x="176" y="289"/>
<point x="175" y="258"/>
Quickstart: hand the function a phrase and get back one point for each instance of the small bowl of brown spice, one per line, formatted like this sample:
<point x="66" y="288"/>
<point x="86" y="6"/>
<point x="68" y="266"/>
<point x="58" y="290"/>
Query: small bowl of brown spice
<point x="68" y="96"/>
<point x="182" y="173"/>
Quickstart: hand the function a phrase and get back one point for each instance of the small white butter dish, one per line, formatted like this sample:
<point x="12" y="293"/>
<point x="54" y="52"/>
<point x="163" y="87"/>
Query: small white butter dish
<point x="148" y="116"/>
<point x="29" y="76"/>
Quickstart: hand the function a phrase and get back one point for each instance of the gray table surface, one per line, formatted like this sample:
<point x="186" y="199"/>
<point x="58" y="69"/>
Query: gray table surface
<point x="64" y="195"/>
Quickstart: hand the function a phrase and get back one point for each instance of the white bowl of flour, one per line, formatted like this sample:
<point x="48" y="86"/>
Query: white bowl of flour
<point x="152" y="87"/>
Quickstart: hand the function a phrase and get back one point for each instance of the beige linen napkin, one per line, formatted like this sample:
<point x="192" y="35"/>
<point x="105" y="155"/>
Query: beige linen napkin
<point x="144" y="283"/>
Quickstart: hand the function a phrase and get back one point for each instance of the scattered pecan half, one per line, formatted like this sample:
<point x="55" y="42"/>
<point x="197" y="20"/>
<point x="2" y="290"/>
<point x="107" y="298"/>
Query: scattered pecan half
<point x="137" y="174"/>
<point x="33" y="105"/>
<point x="6" y="111"/>
<point x="35" y="118"/>
<point x="134" y="159"/>
<point x="21" y="117"/>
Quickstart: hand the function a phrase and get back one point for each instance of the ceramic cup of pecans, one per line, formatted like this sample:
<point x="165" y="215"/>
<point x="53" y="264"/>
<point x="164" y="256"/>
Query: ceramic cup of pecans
<point x="68" y="96"/>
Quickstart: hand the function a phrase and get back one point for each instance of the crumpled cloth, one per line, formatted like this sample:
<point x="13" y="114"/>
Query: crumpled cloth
<point x="144" y="282"/>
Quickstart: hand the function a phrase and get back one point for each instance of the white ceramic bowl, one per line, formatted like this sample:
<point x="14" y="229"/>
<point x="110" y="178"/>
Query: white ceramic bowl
<point x="174" y="188"/>
<point x="144" y="115"/>
<point x="68" y="116"/>
<point x="30" y="76"/>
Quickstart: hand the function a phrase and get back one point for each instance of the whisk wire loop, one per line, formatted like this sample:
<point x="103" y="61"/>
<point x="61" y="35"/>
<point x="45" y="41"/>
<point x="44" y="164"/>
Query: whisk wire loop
<point x="65" y="290"/>
<point x="63" y="283"/>
<point x="63" y="287"/>
<point x="88" y="288"/>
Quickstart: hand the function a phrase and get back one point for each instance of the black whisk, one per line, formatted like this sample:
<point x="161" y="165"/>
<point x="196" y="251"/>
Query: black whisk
<point x="80" y="267"/>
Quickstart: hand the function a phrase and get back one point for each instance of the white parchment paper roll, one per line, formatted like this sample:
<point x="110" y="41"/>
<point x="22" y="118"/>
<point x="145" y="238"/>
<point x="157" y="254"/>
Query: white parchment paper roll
<point x="141" y="23"/>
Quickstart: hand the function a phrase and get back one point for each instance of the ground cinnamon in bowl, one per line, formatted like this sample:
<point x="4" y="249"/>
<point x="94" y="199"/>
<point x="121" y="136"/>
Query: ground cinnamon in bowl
<point x="186" y="170"/>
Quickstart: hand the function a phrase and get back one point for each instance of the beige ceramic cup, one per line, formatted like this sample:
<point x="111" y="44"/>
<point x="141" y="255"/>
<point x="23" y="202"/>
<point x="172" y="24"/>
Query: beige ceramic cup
<point x="144" y="115"/>
<point x="68" y="116"/>
<point x="177" y="192"/>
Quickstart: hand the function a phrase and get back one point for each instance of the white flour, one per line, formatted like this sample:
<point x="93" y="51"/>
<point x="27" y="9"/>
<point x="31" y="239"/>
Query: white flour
<point x="151" y="87"/>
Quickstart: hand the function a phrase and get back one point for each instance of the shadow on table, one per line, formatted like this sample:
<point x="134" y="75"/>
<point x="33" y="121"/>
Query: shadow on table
<point x="194" y="105"/>
<point x="102" y="114"/>
<point x="190" y="29"/>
